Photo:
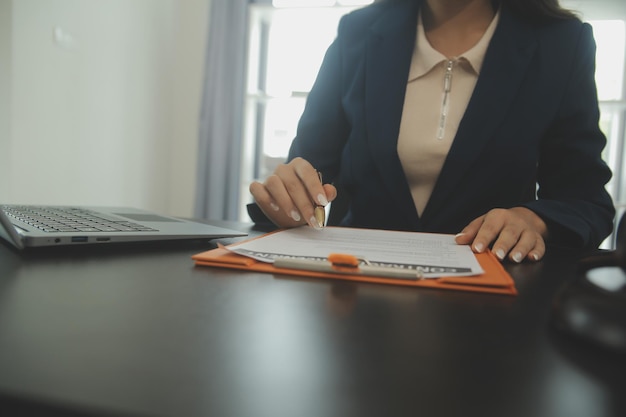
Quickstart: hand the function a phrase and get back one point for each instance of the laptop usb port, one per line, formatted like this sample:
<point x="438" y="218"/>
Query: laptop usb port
<point x="103" y="239"/>
<point x="79" y="239"/>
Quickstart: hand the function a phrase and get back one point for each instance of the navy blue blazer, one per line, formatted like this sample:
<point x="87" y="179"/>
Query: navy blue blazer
<point x="529" y="136"/>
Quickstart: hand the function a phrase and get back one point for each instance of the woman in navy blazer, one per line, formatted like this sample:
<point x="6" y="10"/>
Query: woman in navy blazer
<point x="524" y="168"/>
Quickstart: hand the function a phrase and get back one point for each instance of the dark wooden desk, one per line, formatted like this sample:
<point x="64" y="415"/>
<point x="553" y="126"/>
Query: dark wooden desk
<point x="140" y="331"/>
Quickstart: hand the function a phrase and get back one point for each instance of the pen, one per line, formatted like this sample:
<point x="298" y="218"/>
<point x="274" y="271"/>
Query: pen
<point x="344" y="268"/>
<point x="320" y="212"/>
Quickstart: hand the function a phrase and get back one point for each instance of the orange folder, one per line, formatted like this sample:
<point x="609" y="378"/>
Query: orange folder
<point x="494" y="280"/>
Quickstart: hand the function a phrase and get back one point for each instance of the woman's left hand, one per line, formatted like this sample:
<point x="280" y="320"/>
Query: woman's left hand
<point x="517" y="232"/>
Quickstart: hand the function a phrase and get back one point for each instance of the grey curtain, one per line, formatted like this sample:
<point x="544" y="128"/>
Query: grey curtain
<point x="221" y="118"/>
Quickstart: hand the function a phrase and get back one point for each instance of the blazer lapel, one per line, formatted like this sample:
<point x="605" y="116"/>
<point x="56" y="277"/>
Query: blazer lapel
<point x="502" y="72"/>
<point x="389" y="48"/>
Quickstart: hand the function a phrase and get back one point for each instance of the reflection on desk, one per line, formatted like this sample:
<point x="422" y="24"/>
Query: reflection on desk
<point x="140" y="331"/>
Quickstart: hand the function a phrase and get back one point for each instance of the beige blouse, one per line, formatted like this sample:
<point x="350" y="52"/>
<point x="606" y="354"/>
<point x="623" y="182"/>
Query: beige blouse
<point x="437" y="93"/>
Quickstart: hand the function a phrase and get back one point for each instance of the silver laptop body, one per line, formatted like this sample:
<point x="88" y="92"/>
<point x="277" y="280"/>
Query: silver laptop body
<point x="36" y="226"/>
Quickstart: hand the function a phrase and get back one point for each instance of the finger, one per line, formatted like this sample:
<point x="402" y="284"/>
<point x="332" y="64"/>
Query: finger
<point x="331" y="192"/>
<point x="269" y="207"/>
<point x="492" y="225"/>
<point x="537" y="225"/>
<point x="283" y="197"/>
<point x="518" y="238"/>
<point x="467" y="235"/>
<point x="512" y="236"/>
<point x="530" y="246"/>
<point x="262" y="197"/>
<point x="292" y="190"/>
<point x="310" y="177"/>
<point x="539" y="251"/>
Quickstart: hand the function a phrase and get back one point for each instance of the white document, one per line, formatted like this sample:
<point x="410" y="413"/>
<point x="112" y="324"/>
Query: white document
<point x="432" y="254"/>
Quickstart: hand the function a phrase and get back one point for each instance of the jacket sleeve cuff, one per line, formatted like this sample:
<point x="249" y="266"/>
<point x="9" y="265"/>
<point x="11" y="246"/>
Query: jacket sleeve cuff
<point x="257" y="215"/>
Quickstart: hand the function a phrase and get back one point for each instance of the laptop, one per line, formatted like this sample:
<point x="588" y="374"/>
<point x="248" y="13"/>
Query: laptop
<point x="26" y="226"/>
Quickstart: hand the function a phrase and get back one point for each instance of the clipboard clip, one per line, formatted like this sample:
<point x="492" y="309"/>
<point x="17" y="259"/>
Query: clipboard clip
<point x="340" y="263"/>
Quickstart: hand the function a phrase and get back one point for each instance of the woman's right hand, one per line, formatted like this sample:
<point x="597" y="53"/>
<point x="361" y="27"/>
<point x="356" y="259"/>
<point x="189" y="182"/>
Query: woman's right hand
<point x="288" y="197"/>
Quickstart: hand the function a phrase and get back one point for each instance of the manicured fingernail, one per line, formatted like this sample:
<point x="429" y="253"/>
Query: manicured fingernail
<point x="295" y="215"/>
<point x="274" y="206"/>
<point x="314" y="223"/>
<point x="459" y="235"/>
<point x="535" y="256"/>
<point x="500" y="254"/>
<point x="478" y="247"/>
<point x="321" y="198"/>
<point x="517" y="257"/>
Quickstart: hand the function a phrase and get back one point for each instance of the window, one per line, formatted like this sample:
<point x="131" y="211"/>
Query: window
<point x="282" y="71"/>
<point x="610" y="36"/>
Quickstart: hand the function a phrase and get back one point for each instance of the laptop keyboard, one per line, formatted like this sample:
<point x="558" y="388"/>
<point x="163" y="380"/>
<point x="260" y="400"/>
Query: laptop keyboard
<point x="67" y="219"/>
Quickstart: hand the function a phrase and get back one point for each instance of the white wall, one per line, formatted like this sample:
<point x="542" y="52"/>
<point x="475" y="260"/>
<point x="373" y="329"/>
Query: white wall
<point x="188" y="74"/>
<point x="5" y="119"/>
<point x="103" y="101"/>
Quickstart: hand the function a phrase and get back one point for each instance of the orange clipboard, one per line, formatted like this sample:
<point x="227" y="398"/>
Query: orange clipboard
<point x="494" y="280"/>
